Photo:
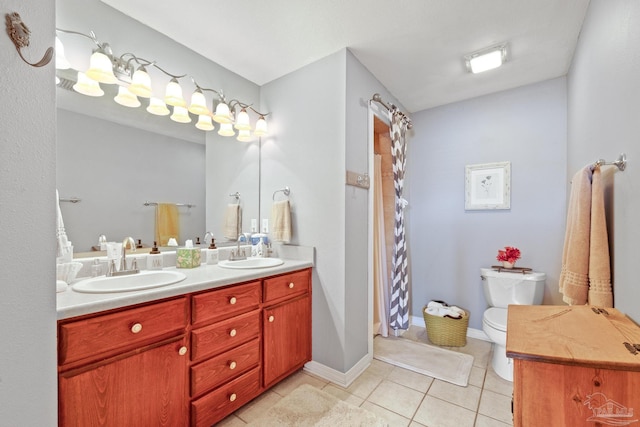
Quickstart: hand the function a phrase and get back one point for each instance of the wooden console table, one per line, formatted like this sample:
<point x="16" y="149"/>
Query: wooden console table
<point x="574" y="366"/>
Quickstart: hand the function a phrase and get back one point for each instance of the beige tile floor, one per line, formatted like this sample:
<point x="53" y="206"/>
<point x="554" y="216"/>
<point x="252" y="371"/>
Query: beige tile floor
<point x="406" y="398"/>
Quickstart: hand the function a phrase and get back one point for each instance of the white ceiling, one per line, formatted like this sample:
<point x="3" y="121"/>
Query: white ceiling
<point x="414" y="48"/>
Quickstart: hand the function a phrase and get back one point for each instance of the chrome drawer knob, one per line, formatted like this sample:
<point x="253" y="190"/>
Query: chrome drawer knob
<point x="233" y="300"/>
<point x="233" y="397"/>
<point x="137" y="327"/>
<point x="182" y="351"/>
<point x="232" y="365"/>
<point x="233" y="333"/>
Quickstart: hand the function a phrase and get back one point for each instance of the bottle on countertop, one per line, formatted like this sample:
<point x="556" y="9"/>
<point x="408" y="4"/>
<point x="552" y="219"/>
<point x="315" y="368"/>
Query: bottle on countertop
<point x="154" y="259"/>
<point x="212" y="253"/>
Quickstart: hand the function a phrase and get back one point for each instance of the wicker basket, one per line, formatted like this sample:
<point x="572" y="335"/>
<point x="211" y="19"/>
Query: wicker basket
<point x="446" y="331"/>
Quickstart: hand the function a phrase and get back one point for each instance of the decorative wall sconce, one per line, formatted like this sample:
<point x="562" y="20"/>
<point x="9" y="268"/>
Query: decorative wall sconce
<point x="19" y="34"/>
<point x="129" y="72"/>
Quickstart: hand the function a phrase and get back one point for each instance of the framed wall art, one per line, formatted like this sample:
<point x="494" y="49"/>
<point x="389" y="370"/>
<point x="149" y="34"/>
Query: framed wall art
<point x="487" y="186"/>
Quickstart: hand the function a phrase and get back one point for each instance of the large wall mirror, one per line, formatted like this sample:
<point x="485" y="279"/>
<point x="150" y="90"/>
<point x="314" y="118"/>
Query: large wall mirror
<point x="115" y="159"/>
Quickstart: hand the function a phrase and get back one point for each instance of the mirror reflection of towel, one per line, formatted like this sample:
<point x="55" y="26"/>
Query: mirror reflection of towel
<point x="167" y="223"/>
<point x="281" y="221"/>
<point x="232" y="221"/>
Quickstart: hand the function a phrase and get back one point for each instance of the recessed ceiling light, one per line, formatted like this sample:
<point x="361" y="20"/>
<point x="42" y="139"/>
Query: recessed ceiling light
<point x="486" y="59"/>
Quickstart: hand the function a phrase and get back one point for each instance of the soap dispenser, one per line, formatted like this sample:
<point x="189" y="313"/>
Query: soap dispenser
<point x="212" y="253"/>
<point x="154" y="259"/>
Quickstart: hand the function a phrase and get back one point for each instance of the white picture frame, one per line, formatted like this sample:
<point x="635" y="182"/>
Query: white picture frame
<point x="487" y="186"/>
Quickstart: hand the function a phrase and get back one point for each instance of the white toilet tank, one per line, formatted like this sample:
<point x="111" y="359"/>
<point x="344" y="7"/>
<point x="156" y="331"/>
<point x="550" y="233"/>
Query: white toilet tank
<point x="504" y="288"/>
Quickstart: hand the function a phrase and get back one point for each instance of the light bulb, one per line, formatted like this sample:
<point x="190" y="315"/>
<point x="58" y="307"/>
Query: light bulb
<point x="204" y="122"/>
<point x="222" y="114"/>
<point x="198" y="104"/>
<point x="87" y="86"/>
<point x="261" y="127"/>
<point x="101" y="68"/>
<point x="126" y="98"/>
<point x="173" y="95"/>
<point x="180" y="115"/>
<point x="141" y="83"/>
<point x="226" y="129"/>
<point x="157" y="107"/>
<point x="242" y="122"/>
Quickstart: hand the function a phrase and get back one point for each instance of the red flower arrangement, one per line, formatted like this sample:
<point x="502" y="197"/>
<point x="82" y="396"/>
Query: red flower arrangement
<point x="509" y="254"/>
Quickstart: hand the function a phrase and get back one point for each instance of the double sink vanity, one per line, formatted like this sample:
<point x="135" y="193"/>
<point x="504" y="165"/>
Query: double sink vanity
<point x="189" y="352"/>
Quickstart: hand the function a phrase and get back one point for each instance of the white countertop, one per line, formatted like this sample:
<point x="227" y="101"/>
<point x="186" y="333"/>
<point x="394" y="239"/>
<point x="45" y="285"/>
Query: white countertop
<point x="71" y="303"/>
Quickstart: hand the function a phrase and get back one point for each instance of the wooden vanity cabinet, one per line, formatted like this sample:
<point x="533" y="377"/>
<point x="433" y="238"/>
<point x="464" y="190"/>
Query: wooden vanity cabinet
<point x="191" y="360"/>
<point x="572" y="366"/>
<point x="287" y="325"/>
<point x="125" y="368"/>
<point x="225" y="370"/>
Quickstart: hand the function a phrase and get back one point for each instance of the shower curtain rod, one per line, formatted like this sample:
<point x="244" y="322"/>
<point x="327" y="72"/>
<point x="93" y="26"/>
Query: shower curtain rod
<point x="391" y="107"/>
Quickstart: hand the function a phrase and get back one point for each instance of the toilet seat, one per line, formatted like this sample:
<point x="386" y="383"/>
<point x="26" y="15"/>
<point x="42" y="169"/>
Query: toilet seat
<point x="496" y="318"/>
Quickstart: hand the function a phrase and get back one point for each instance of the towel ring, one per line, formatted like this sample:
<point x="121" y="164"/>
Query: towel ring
<point x="286" y="191"/>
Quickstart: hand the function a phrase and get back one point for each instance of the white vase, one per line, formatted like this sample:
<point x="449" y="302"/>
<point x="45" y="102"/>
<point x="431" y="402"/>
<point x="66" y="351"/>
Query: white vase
<point x="507" y="264"/>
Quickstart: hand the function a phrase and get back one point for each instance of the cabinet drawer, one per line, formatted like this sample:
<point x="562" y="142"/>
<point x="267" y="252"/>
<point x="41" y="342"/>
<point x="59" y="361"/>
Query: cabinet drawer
<point x="216" y="338"/>
<point x="218" y="404"/>
<point x="109" y="334"/>
<point x="220" y="369"/>
<point x="287" y="285"/>
<point x="224" y="303"/>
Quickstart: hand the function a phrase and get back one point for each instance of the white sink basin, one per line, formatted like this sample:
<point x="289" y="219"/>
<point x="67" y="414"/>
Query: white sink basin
<point x="134" y="282"/>
<point x="251" y="263"/>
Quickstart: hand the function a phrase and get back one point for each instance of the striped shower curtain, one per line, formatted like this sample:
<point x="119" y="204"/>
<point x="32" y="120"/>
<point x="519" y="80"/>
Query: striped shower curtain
<point x="399" y="306"/>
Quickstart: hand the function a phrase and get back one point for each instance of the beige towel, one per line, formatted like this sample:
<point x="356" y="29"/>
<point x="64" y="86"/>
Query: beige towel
<point x="600" y="293"/>
<point x="281" y="221"/>
<point x="167" y="223"/>
<point x="232" y="221"/>
<point x="574" y="279"/>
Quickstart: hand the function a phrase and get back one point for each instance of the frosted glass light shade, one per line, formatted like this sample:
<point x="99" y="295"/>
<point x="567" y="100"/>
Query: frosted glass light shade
<point x="204" y="123"/>
<point x="486" y="59"/>
<point x="226" y="129"/>
<point x="87" y="86"/>
<point x="61" y="60"/>
<point x="101" y="68"/>
<point x="242" y="122"/>
<point x="141" y="83"/>
<point x="261" y="127"/>
<point x="222" y="114"/>
<point x="244" y="135"/>
<point x="198" y="104"/>
<point x="173" y="95"/>
<point x="126" y="98"/>
<point x="180" y="115"/>
<point x="157" y="107"/>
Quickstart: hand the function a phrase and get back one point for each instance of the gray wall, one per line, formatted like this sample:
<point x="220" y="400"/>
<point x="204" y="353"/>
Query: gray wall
<point x="115" y="169"/>
<point x="28" y="386"/>
<point x="448" y="245"/>
<point x="604" y="101"/>
<point x="321" y="129"/>
<point x="306" y="153"/>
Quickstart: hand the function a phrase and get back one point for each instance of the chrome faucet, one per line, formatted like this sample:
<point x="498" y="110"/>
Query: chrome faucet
<point x="237" y="255"/>
<point x="123" y="261"/>
<point x="207" y="237"/>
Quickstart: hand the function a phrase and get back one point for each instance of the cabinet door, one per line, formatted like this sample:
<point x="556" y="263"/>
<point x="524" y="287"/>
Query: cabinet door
<point x="145" y="389"/>
<point x="286" y="339"/>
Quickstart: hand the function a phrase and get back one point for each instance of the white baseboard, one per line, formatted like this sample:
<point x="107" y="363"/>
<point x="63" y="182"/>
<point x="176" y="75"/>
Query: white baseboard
<point x="336" y="377"/>
<point x="471" y="332"/>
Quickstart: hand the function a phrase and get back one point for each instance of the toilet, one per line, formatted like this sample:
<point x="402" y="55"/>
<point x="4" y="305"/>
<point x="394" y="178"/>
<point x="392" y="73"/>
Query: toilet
<point x="501" y="289"/>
